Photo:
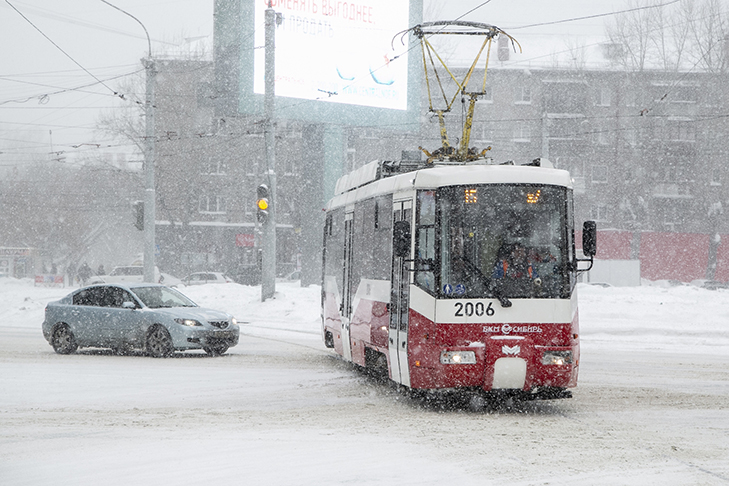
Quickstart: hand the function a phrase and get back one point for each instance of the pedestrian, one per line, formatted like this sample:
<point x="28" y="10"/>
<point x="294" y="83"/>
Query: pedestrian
<point x="84" y="273"/>
<point x="71" y="271"/>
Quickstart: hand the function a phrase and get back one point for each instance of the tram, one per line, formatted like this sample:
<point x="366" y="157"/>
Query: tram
<point x="456" y="276"/>
<point x="455" y="272"/>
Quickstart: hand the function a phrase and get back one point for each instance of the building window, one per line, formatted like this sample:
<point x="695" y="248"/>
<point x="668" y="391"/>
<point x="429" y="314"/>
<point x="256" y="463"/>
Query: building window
<point x="675" y="94"/>
<point x="524" y="95"/>
<point x="668" y="174"/>
<point x="351" y="159"/>
<point x="482" y="132"/>
<point x="198" y="260"/>
<point x="602" y="135"/>
<point x="211" y="204"/>
<point x="630" y="135"/>
<point x="565" y="128"/>
<point x="631" y="97"/>
<point x="214" y="167"/>
<point x="603" y="97"/>
<point x="599" y="174"/>
<point x="684" y="94"/>
<point x="681" y="131"/>
<point x="521" y="132"/>
<point x="671" y="217"/>
<point x="715" y="177"/>
<point x="600" y="212"/>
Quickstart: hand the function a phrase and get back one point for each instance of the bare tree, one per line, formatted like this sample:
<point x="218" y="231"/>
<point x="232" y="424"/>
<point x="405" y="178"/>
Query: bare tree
<point x="632" y="30"/>
<point x="577" y="54"/>
<point x="692" y="33"/>
<point x="710" y="34"/>
<point x="126" y="123"/>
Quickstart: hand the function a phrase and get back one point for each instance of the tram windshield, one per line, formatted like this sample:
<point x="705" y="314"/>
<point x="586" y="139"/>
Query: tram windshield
<point x="495" y="241"/>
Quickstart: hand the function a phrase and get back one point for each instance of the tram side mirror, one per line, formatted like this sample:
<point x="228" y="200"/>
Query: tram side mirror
<point x="401" y="239"/>
<point x="589" y="238"/>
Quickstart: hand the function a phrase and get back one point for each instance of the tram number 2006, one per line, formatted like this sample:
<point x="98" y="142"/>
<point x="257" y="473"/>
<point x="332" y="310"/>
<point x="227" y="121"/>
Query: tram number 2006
<point x="470" y="309"/>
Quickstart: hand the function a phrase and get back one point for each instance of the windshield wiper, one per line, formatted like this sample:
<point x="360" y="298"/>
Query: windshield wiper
<point x="488" y="282"/>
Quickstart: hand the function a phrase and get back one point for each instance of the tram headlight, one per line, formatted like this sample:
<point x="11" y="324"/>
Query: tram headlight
<point x="458" y="357"/>
<point x="558" y="358"/>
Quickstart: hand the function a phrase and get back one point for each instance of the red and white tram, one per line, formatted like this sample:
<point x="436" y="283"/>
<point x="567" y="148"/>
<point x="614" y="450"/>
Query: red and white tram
<point x="456" y="275"/>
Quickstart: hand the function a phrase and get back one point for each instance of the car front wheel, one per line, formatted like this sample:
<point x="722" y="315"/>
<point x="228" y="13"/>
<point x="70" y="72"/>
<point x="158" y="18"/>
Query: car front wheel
<point x="63" y="340"/>
<point x="159" y="343"/>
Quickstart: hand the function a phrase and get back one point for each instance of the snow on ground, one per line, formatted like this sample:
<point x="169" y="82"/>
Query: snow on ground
<point x="651" y="407"/>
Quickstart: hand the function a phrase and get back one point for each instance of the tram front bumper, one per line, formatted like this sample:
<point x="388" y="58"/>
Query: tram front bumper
<point x="531" y="368"/>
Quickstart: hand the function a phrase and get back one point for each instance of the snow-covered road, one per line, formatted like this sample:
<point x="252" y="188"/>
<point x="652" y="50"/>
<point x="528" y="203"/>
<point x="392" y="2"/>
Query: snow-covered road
<point x="651" y="407"/>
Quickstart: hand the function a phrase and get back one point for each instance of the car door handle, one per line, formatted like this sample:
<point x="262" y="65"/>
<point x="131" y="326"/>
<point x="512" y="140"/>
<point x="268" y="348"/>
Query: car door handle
<point x="403" y="344"/>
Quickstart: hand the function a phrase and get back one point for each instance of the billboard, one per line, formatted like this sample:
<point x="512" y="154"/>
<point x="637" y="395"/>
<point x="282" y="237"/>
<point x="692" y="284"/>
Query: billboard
<point x="336" y="51"/>
<point x="335" y="60"/>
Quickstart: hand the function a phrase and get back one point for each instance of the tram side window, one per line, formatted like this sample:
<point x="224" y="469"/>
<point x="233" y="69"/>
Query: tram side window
<point x="364" y="216"/>
<point x="382" y="243"/>
<point x="570" y="241"/>
<point x="425" y="241"/>
<point x="361" y="246"/>
<point x="335" y="247"/>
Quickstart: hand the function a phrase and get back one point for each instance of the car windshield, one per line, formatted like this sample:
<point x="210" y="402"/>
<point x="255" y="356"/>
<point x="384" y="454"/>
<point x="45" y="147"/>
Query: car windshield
<point x="157" y="297"/>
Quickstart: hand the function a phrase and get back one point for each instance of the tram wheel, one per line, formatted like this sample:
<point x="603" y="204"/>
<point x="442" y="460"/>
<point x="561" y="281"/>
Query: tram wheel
<point x="328" y="339"/>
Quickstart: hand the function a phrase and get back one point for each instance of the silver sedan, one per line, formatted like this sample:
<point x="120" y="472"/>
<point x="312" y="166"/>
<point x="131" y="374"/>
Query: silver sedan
<point x="154" y="318"/>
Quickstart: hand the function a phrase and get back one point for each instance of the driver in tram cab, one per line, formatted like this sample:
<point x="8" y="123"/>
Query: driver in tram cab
<point x="513" y="262"/>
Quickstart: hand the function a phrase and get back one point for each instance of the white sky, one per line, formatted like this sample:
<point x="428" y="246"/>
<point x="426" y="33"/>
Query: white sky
<point x="109" y="44"/>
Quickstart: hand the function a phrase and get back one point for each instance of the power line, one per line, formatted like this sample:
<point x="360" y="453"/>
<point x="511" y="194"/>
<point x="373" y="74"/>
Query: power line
<point x="77" y="89"/>
<point x="55" y="73"/>
<point x="66" y="19"/>
<point x="607" y="14"/>
<point x="64" y="52"/>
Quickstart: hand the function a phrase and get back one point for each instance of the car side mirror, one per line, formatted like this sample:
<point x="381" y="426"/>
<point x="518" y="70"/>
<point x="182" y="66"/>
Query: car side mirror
<point x="589" y="238"/>
<point x="401" y="239"/>
<point x="129" y="305"/>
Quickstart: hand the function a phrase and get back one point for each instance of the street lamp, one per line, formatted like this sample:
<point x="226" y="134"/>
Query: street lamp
<point x="149" y="154"/>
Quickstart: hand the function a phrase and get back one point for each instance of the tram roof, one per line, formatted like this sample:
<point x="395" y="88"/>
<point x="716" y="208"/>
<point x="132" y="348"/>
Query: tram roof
<point x="376" y="179"/>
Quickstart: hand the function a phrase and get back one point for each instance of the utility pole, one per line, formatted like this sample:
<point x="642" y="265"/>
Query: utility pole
<point x="149" y="163"/>
<point x="268" y="240"/>
<point x="149" y="192"/>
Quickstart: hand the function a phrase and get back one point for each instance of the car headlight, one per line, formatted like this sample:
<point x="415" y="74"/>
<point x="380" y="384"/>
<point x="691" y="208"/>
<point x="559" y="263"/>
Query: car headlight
<point x="233" y="321"/>
<point x="188" y="322"/>
<point x="458" y="357"/>
<point x="557" y="358"/>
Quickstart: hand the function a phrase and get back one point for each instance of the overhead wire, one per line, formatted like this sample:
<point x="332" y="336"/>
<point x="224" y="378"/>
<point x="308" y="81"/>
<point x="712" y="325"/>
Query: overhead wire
<point x="587" y="17"/>
<point x="63" y="51"/>
<point x="66" y="90"/>
<point x="40" y="12"/>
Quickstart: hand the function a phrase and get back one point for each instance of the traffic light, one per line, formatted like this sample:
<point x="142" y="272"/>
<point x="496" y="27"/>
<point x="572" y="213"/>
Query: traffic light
<point x="138" y="212"/>
<point x="262" y="195"/>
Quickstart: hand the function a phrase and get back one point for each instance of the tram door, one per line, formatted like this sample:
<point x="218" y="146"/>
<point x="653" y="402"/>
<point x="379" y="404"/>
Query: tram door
<point x="346" y="305"/>
<point x="400" y="304"/>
